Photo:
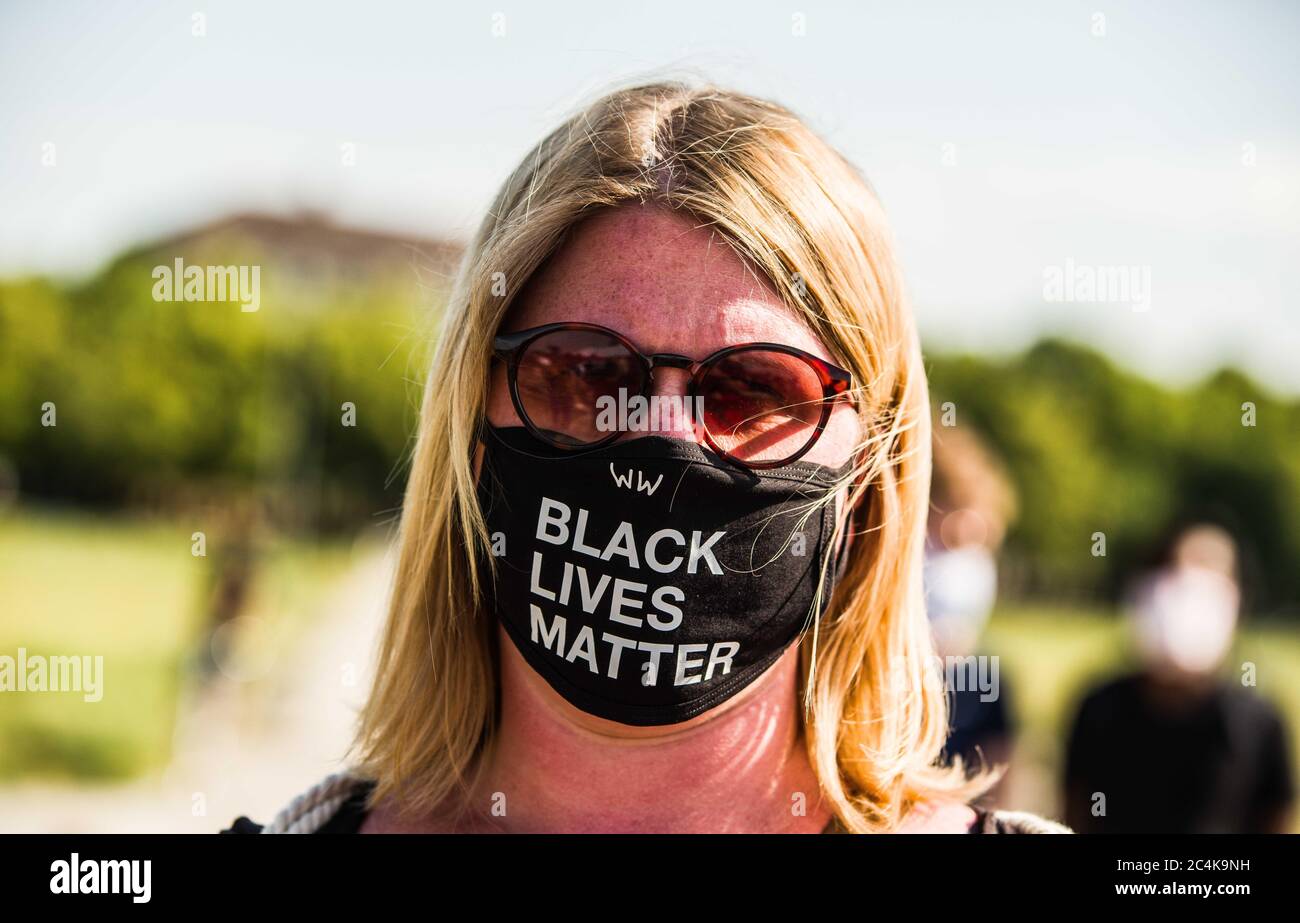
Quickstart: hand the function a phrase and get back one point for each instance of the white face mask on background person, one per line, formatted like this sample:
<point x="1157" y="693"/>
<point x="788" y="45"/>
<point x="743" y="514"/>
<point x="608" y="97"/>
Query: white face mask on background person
<point x="961" y="586"/>
<point x="1184" y="618"/>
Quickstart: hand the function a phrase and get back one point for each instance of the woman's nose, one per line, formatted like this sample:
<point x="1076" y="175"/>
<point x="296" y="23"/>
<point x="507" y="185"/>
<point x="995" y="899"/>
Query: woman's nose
<point x="670" y="410"/>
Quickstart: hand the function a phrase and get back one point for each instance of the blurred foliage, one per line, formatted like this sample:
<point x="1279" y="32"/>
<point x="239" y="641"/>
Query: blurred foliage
<point x="159" y="400"/>
<point x="1093" y="448"/>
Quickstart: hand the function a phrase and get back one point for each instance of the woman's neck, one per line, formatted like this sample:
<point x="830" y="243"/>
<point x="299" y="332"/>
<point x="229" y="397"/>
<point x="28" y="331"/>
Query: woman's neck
<point x="741" y="768"/>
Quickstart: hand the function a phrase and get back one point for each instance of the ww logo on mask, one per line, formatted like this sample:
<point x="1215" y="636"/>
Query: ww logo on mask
<point x="641" y="482"/>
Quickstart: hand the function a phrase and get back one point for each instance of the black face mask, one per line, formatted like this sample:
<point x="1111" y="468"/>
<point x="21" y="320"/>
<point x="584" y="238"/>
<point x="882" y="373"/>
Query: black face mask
<point x="649" y="580"/>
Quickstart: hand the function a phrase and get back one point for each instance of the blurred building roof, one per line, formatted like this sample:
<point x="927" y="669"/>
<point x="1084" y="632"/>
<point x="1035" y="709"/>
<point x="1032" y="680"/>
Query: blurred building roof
<point x="314" y="250"/>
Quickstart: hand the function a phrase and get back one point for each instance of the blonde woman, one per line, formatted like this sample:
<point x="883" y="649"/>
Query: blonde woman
<point x="660" y="554"/>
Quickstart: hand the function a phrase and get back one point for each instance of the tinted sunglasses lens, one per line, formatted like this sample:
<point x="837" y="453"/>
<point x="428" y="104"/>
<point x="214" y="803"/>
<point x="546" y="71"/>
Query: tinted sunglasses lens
<point x="761" y="406"/>
<point x="563" y="374"/>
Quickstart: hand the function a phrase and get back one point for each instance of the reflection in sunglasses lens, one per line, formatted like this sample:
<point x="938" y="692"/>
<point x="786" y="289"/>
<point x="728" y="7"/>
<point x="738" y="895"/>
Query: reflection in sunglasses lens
<point x="561" y="377"/>
<point x="761" y="405"/>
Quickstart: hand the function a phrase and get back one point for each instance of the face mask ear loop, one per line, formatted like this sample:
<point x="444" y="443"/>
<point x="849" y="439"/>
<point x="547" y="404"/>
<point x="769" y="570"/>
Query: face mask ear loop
<point x="836" y="572"/>
<point x="841" y="554"/>
<point x="482" y="431"/>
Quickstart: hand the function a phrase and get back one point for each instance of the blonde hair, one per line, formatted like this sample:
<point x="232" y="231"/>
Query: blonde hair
<point x="875" y="711"/>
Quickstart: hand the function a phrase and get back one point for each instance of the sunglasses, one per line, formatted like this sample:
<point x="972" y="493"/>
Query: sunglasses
<point x="761" y="405"/>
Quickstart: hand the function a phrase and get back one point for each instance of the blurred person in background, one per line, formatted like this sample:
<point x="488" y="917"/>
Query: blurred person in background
<point x="1175" y="747"/>
<point x="231" y="577"/>
<point x="971" y="504"/>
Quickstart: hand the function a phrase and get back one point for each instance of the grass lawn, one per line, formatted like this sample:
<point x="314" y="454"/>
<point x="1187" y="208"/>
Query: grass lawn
<point x="131" y="592"/>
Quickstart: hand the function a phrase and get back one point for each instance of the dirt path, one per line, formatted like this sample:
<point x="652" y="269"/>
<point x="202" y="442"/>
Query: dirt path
<point x="245" y="748"/>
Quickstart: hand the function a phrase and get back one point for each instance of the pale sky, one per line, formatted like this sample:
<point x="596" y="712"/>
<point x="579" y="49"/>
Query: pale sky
<point x="1004" y="138"/>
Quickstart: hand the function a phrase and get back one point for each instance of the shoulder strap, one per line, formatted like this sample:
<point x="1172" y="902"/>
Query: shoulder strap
<point x="314" y="808"/>
<point x="1015" y="822"/>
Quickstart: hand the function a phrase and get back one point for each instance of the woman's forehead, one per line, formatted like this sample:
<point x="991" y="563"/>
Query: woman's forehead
<point x="662" y="280"/>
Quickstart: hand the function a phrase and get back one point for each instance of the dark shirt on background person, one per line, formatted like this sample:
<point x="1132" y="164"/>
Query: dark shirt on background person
<point x="979" y="731"/>
<point x="1214" y="761"/>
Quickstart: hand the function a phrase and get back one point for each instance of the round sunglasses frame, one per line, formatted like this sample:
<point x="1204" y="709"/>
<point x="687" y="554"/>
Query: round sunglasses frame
<point x="835" y="381"/>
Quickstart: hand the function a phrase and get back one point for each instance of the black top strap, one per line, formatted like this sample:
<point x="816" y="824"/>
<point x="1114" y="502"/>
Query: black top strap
<point x="347" y="819"/>
<point x="353" y="812"/>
